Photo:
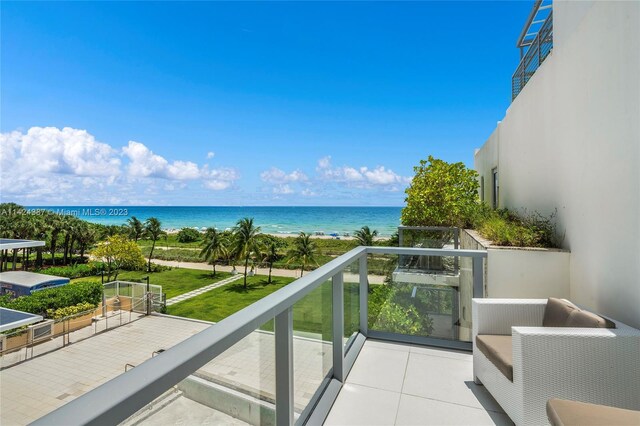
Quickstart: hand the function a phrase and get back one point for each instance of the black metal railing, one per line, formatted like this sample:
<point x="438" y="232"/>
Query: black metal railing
<point x="537" y="53"/>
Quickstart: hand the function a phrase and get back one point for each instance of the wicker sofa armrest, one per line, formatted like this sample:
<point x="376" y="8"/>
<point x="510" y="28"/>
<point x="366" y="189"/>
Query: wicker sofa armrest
<point x="497" y="316"/>
<point x="595" y="365"/>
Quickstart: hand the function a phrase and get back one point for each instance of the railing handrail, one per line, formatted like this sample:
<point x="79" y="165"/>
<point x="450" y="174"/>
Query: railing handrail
<point x="427" y="228"/>
<point x="141" y="385"/>
<point x="537" y="37"/>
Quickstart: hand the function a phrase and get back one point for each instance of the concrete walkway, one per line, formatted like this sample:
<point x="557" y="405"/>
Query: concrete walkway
<point x="348" y="277"/>
<point x="201" y="290"/>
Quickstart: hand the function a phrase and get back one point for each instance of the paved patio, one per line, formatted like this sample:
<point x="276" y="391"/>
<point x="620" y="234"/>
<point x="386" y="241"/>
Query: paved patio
<point x="39" y="385"/>
<point x="396" y="384"/>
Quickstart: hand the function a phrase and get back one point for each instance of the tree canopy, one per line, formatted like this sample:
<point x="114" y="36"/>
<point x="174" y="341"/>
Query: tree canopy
<point x="441" y="194"/>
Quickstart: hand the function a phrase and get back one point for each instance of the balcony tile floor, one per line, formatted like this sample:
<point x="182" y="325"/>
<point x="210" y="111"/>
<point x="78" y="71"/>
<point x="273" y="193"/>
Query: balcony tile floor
<point x="397" y="384"/>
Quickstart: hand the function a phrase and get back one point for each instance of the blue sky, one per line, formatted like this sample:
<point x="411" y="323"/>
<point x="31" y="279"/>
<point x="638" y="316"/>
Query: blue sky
<point x="180" y="103"/>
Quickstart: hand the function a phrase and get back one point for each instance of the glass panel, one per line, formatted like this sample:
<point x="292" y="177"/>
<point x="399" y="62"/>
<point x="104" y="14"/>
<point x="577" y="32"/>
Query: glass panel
<point x="237" y="386"/>
<point x="351" y="302"/>
<point x="431" y="299"/>
<point x="312" y="344"/>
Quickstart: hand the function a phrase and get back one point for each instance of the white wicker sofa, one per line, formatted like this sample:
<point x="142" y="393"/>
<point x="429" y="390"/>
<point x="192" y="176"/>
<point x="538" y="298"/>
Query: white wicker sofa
<point x="594" y="365"/>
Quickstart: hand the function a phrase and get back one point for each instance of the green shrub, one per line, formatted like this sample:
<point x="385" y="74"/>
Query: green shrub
<point x="188" y="235"/>
<point x="441" y="194"/>
<point x="392" y="309"/>
<point x="54" y="298"/>
<point x="507" y="228"/>
<point x="74" y="271"/>
<point x="69" y="310"/>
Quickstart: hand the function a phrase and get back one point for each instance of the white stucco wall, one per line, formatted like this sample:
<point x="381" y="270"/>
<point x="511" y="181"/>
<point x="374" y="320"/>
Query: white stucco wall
<point x="529" y="273"/>
<point x="571" y="141"/>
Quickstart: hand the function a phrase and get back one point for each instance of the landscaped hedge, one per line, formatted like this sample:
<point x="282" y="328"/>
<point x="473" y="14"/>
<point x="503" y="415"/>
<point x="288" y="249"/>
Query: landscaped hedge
<point x="74" y="271"/>
<point x="188" y="235"/>
<point x="41" y="302"/>
<point x="70" y="310"/>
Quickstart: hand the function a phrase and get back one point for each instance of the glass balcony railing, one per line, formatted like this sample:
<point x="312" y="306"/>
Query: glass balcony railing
<point x="283" y="359"/>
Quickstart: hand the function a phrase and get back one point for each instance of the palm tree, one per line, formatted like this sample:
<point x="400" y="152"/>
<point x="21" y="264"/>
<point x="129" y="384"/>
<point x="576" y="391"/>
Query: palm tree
<point x="365" y="236"/>
<point x="270" y="255"/>
<point x="55" y="226"/>
<point x="86" y="237"/>
<point x="246" y="242"/>
<point x="136" y="228"/>
<point x="153" y="230"/>
<point x="303" y="251"/>
<point x="213" y="247"/>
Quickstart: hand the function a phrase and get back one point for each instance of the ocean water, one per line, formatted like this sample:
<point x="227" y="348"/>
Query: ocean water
<point x="280" y="220"/>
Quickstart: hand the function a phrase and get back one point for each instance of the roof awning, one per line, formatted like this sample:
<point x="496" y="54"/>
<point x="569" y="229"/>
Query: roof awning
<point x="10" y="244"/>
<point x="10" y="319"/>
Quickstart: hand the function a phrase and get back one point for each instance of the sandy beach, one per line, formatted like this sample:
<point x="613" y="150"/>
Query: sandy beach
<point x="172" y="231"/>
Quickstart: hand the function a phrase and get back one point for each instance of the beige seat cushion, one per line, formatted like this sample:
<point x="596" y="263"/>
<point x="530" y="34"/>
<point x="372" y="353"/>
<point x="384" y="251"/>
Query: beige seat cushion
<point x="557" y="312"/>
<point x="498" y="350"/>
<point x="587" y="319"/>
<point x="562" y="313"/>
<point x="572" y="413"/>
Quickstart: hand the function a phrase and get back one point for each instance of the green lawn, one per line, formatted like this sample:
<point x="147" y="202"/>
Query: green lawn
<point x="312" y="314"/>
<point x="174" y="281"/>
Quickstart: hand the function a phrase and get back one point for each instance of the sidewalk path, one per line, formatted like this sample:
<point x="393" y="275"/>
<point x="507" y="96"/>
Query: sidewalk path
<point x="373" y="279"/>
<point x="201" y="290"/>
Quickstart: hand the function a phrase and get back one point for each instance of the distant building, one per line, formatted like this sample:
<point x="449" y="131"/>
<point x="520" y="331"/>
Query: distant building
<point x="22" y="283"/>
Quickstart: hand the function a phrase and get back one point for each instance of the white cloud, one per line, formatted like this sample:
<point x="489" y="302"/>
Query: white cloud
<point x="210" y="155"/>
<point x="69" y="166"/>
<point x="52" y="150"/>
<point x="275" y="175"/>
<point x="219" y="179"/>
<point x="324" y="162"/>
<point x="283" y="189"/>
<point x="144" y="163"/>
<point x="308" y="193"/>
<point x="361" y="177"/>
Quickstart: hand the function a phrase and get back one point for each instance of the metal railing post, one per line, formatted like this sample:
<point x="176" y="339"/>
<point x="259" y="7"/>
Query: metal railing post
<point x="364" y="296"/>
<point x="284" y="367"/>
<point x="478" y="275"/>
<point x="456" y="245"/>
<point x="338" y="326"/>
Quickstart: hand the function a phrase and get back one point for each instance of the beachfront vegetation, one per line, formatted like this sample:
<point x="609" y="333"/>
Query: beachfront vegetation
<point x="41" y="302"/>
<point x="116" y="253"/>
<point x="153" y="231"/>
<point x="214" y="247"/>
<point x="245" y="242"/>
<point x="303" y="252"/>
<point x="270" y="255"/>
<point x="365" y="236"/>
<point x="136" y="228"/>
<point x="189" y="235"/>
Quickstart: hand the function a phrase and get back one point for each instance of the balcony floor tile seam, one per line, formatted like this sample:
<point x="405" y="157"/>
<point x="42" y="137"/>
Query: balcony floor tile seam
<point x="404" y="377"/>
<point x="451" y="402"/>
<point x="370" y="387"/>
<point x="441" y="356"/>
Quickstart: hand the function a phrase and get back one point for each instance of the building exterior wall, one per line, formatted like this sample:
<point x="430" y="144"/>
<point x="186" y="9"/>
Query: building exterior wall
<point x="570" y="142"/>
<point x="519" y="272"/>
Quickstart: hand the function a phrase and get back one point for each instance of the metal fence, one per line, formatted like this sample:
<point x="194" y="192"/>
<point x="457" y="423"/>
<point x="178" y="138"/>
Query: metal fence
<point x="537" y="53"/>
<point x="26" y="343"/>
<point x="116" y="400"/>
